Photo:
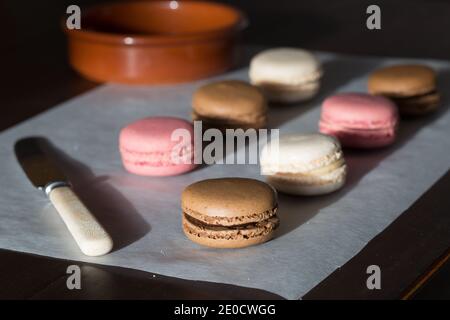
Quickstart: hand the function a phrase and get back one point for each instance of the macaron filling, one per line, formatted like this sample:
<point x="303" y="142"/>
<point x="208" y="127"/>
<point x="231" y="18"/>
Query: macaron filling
<point x="357" y="134"/>
<point x="157" y="158"/>
<point x="289" y="93"/>
<point x="292" y="84"/>
<point x="230" y="221"/>
<point x="270" y="167"/>
<point x="372" y="131"/>
<point x="244" y="231"/>
<point x="330" y="173"/>
<point x="432" y="93"/>
<point x="419" y="103"/>
<point x="244" y="122"/>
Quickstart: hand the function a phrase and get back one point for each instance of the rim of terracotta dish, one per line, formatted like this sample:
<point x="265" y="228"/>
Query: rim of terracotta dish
<point x="239" y="24"/>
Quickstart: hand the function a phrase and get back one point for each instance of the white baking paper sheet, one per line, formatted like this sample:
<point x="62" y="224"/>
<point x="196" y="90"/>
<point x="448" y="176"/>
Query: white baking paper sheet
<point x="317" y="234"/>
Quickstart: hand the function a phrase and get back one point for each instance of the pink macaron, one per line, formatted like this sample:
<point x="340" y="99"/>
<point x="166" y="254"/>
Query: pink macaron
<point x="359" y="120"/>
<point x="150" y="147"/>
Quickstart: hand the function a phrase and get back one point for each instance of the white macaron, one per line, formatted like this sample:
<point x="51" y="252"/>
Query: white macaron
<point x="286" y="75"/>
<point x="304" y="164"/>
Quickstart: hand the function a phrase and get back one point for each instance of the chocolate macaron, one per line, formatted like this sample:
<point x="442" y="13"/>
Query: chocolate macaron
<point x="229" y="212"/>
<point x="229" y="104"/>
<point x="411" y="87"/>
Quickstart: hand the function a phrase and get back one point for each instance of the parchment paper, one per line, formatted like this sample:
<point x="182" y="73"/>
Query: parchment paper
<point x="317" y="234"/>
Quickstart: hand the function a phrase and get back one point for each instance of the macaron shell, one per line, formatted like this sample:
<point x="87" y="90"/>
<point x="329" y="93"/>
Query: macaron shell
<point x="359" y="111"/>
<point x="402" y="80"/>
<point x="288" y="66"/>
<point x="230" y="198"/>
<point x="152" y="134"/>
<point x="230" y="101"/>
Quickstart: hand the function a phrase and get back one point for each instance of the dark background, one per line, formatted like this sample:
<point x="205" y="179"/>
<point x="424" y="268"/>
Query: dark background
<point x="35" y="73"/>
<point x="35" y="76"/>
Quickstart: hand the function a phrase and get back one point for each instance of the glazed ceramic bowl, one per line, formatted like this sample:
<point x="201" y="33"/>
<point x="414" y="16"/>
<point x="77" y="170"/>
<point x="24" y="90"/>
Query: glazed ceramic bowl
<point x="152" y="42"/>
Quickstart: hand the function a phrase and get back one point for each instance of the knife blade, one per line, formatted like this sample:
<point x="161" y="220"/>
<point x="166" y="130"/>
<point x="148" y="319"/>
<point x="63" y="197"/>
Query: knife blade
<point x="35" y="160"/>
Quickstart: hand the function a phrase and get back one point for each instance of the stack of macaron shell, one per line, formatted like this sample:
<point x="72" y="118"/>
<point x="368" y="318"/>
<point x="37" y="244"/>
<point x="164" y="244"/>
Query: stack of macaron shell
<point x="411" y="87"/>
<point x="304" y="164"/>
<point x="286" y="75"/>
<point x="359" y="120"/>
<point x="229" y="212"/>
<point x="149" y="147"/>
<point x="229" y="104"/>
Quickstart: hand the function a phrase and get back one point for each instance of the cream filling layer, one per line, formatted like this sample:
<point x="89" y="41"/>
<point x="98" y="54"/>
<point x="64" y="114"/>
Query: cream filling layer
<point x="286" y="88"/>
<point x="242" y="121"/>
<point x="381" y="131"/>
<point x="257" y="78"/>
<point x="245" y="231"/>
<point x="230" y="221"/>
<point x="157" y="158"/>
<point x="270" y="166"/>
<point x="331" y="173"/>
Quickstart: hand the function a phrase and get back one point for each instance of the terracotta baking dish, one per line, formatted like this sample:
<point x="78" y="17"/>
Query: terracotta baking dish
<point x="151" y="42"/>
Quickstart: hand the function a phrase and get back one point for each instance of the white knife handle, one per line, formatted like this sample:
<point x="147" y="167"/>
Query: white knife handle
<point x="90" y="236"/>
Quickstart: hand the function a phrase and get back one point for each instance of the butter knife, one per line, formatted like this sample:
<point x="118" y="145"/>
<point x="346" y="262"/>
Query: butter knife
<point x="90" y="236"/>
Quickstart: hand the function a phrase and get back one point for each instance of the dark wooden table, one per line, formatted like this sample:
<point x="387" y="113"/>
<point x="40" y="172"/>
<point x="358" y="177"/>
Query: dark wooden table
<point x="413" y="251"/>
